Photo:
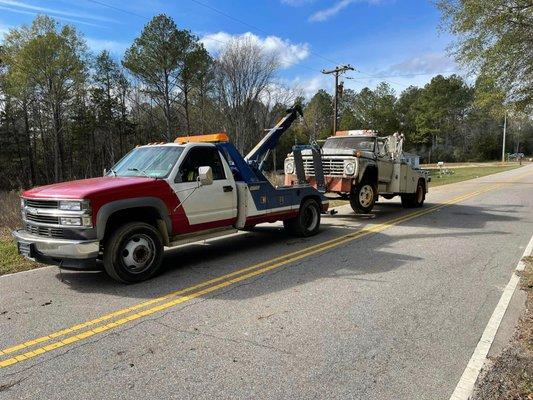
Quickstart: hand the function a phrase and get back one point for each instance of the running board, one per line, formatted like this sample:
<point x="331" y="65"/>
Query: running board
<point x="198" y="237"/>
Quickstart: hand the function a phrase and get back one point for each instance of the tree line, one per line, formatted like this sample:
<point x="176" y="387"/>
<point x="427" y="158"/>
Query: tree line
<point x="66" y="113"/>
<point x="442" y="121"/>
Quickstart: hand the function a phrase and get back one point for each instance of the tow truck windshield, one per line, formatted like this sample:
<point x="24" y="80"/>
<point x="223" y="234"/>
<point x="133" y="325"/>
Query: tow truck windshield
<point x="152" y="162"/>
<point x="350" y="143"/>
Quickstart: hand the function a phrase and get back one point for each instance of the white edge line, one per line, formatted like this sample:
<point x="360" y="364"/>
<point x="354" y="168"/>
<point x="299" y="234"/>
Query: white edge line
<point x="465" y="386"/>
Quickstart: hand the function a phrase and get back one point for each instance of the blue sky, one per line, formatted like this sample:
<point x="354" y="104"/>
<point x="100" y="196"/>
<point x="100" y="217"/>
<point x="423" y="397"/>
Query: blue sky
<point x="394" y="40"/>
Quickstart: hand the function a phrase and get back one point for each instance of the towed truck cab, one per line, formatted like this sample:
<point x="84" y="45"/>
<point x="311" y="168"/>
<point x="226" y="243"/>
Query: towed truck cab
<point x="360" y="165"/>
<point x="160" y="195"/>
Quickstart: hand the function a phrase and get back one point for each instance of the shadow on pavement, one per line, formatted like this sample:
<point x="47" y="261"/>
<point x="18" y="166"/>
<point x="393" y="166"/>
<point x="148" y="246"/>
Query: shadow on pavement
<point x="195" y="263"/>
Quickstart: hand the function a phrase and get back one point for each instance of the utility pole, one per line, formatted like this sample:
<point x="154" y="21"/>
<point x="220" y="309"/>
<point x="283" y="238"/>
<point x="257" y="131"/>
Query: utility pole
<point x="504" y="132"/>
<point x="336" y="72"/>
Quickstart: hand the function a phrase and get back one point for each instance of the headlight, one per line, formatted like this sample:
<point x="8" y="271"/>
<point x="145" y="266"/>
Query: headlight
<point x="67" y="205"/>
<point x="70" y="221"/>
<point x="74" y="205"/>
<point x="349" y="168"/>
<point x="289" y="167"/>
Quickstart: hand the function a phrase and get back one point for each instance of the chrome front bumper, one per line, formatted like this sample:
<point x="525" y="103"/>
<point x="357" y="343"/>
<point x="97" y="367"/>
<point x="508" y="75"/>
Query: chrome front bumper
<point x="42" y="248"/>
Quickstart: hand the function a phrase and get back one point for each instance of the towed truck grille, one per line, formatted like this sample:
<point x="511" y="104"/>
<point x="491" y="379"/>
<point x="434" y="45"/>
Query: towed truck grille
<point x="331" y="167"/>
<point x="45" y="231"/>
<point x="42" y="203"/>
<point x="43" y="219"/>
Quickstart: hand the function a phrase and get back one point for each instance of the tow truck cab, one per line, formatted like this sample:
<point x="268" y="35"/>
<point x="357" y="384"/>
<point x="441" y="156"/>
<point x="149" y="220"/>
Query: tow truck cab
<point x="159" y="195"/>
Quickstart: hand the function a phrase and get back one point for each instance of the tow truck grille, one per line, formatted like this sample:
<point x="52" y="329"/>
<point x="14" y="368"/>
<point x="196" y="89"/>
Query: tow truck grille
<point x="42" y="203"/>
<point x="331" y="167"/>
<point x="43" y="219"/>
<point x="45" y="231"/>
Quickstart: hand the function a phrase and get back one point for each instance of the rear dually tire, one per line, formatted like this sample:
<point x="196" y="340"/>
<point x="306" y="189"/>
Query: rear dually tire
<point x="307" y="222"/>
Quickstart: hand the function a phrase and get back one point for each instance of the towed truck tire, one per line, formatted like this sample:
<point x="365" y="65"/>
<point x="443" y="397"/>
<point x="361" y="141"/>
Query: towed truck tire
<point x="133" y="252"/>
<point x="363" y="197"/>
<point x="307" y="222"/>
<point x="416" y="199"/>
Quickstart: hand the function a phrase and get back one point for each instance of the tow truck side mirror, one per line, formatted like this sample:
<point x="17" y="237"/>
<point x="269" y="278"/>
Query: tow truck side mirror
<point x="205" y="176"/>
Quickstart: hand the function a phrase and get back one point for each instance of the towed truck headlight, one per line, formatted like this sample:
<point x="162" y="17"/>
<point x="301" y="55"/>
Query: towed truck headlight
<point x="289" y="167"/>
<point x="349" y="168"/>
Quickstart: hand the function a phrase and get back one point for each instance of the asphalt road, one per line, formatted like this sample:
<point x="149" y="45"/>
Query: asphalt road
<point x="387" y="306"/>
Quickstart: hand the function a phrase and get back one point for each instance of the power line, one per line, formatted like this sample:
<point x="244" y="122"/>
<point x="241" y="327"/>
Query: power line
<point x="266" y="33"/>
<point x="256" y="28"/>
<point x="117" y="9"/>
<point x="210" y="38"/>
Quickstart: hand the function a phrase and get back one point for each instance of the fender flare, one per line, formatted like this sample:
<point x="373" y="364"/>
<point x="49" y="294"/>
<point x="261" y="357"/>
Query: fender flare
<point x="151" y="202"/>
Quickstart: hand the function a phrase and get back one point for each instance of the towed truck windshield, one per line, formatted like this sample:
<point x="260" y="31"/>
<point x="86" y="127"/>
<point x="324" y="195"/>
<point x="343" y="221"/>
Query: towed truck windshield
<point x="350" y="143"/>
<point x="152" y="162"/>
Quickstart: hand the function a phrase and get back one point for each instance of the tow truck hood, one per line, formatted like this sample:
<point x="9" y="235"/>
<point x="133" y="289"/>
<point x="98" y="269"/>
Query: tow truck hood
<point x="87" y="188"/>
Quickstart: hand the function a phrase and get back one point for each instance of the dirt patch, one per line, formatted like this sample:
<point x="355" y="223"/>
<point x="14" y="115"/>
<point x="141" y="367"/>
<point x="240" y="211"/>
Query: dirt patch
<point x="510" y="374"/>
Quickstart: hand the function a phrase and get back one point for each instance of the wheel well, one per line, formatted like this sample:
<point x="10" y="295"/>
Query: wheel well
<point x="371" y="174"/>
<point x="138" y="214"/>
<point x="313" y="197"/>
<point x="424" y="184"/>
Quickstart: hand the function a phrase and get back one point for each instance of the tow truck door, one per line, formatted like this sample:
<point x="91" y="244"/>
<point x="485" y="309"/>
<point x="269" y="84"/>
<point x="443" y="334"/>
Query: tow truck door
<point x="209" y="206"/>
<point x="384" y="160"/>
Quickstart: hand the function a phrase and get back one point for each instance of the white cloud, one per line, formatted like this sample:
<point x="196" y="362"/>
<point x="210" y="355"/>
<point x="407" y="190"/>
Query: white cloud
<point x="288" y="53"/>
<point x="114" y="47"/>
<point x="430" y="63"/>
<point x="327" y="13"/>
<point x="309" y="86"/>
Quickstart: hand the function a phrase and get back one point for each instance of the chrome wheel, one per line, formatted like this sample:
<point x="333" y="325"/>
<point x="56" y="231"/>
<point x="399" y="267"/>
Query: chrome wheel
<point x="138" y="253"/>
<point x="366" y="196"/>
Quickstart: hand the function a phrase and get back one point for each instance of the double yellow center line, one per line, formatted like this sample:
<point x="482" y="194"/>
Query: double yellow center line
<point x="107" y="322"/>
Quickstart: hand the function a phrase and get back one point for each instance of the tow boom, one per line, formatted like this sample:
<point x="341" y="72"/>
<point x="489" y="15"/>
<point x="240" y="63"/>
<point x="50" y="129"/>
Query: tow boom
<point x="257" y="156"/>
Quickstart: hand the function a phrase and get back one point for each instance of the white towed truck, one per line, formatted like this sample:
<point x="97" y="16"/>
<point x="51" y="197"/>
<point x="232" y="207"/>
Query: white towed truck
<point x="359" y="165"/>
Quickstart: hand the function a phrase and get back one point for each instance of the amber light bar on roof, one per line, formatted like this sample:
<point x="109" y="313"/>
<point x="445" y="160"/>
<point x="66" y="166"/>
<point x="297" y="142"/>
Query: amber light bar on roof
<point x="211" y="138"/>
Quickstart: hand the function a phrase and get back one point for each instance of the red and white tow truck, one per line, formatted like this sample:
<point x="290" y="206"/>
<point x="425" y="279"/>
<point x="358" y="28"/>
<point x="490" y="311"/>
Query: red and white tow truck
<point x="162" y="195"/>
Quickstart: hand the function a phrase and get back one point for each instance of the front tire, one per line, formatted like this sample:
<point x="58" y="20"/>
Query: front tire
<point x="133" y="252"/>
<point x="363" y="198"/>
<point x="307" y="222"/>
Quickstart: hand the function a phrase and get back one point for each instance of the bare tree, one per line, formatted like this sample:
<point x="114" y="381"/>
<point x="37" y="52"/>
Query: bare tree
<point x="244" y="72"/>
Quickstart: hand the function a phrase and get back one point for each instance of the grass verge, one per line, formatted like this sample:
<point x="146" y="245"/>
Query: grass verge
<point x="466" y="173"/>
<point x="510" y="374"/>
<point x="10" y="260"/>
